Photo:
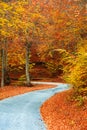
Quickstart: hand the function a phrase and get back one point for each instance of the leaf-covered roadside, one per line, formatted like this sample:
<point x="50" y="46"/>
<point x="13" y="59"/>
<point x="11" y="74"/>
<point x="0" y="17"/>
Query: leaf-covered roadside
<point x="10" y="91"/>
<point x="59" y="113"/>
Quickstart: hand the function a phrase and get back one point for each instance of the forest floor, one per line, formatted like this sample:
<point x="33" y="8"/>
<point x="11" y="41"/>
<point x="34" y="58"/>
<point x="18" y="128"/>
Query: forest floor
<point x="58" y="112"/>
<point x="9" y="91"/>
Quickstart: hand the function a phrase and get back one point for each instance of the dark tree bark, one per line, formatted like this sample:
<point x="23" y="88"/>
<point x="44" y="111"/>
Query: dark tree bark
<point x="5" y="79"/>
<point x="3" y="70"/>
<point x="28" y="83"/>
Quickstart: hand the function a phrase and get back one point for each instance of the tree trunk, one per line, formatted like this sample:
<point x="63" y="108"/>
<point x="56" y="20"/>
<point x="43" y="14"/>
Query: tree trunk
<point x="27" y="65"/>
<point x="6" y="77"/>
<point x="3" y="69"/>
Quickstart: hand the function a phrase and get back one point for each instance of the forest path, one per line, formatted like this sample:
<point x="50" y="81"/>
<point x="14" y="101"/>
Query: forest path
<point x="22" y="112"/>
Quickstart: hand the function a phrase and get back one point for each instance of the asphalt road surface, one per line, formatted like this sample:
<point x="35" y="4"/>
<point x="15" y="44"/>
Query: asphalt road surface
<point x="22" y="112"/>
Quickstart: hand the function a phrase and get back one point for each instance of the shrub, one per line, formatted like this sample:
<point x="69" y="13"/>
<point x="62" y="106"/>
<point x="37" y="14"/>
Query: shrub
<point x="78" y="75"/>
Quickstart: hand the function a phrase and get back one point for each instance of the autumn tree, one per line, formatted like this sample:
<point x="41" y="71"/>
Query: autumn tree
<point x="9" y="29"/>
<point x="4" y="34"/>
<point x="33" y="23"/>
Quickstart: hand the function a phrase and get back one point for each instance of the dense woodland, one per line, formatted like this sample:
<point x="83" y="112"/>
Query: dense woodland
<point x="48" y="33"/>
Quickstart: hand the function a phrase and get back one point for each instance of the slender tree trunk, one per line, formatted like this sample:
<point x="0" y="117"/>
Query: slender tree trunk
<point x="3" y="69"/>
<point x="5" y="55"/>
<point x="7" y="77"/>
<point x="27" y="65"/>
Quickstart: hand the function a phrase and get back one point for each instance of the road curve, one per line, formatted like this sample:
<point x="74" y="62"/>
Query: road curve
<point x="22" y="112"/>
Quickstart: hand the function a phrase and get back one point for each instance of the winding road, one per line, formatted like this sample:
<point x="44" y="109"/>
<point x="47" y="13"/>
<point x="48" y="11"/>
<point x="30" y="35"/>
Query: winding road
<point x="22" y="112"/>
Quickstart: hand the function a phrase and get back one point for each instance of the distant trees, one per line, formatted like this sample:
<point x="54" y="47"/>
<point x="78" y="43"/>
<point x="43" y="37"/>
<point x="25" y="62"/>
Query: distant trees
<point x="57" y="27"/>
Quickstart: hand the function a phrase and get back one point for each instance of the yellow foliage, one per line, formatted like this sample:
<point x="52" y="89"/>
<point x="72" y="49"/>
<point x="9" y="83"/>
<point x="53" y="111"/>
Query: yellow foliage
<point x="78" y="75"/>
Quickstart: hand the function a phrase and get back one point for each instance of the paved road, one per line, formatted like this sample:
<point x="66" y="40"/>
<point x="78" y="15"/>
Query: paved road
<point x="22" y="112"/>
